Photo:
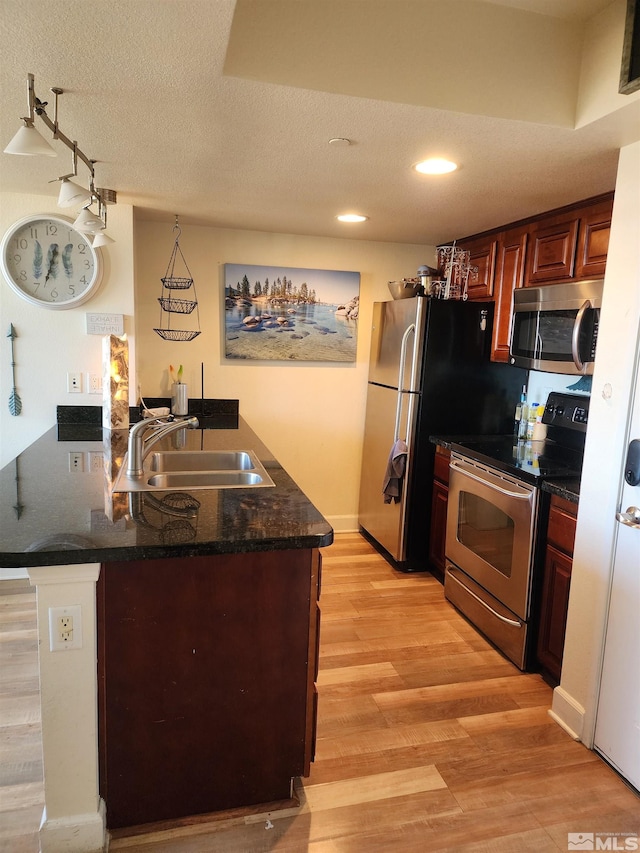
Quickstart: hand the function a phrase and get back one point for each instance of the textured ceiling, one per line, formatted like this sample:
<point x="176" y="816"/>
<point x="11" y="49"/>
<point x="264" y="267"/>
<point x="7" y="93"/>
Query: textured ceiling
<point x="222" y="112"/>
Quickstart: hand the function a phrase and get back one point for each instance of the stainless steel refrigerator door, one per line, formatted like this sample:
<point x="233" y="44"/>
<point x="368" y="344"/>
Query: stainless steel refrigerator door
<point x="388" y="340"/>
<point x="386" y="523"/>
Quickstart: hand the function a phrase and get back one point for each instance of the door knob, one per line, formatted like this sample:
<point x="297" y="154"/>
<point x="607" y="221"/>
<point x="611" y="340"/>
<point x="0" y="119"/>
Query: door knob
<point x="631" y="517"/>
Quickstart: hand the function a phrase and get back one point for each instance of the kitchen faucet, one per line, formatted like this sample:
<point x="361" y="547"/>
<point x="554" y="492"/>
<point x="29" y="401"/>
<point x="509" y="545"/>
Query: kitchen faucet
<point x="140" y="444"/>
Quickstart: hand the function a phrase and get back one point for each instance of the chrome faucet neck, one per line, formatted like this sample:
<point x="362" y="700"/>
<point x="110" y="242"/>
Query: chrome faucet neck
<point x="140" y="443"/>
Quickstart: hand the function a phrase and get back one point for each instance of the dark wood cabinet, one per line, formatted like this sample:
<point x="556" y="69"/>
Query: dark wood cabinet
<point x="570" y="244"/>
<point x="553" y="250"/>
<point x="482" y="257"/>
<point x="512" y="247"/>
<point x="593" y="242"/>
<point x="438" y="527"/>
<point x="206" y="677"/>
<point x="567" y="244"/>
<point x="561" y="531"/>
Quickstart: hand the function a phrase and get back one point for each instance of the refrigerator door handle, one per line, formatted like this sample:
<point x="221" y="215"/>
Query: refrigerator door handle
<point x="403" y="358"/>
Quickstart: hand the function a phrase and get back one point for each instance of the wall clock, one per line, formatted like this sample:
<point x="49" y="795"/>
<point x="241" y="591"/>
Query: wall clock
<point x="49" y="263"/>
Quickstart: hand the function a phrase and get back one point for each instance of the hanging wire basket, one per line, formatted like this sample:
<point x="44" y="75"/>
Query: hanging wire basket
<point x="177" y="306"/>
<point x="177" y="334"/>
<point x="173" y="283"/>
<point x="169" y="306"/>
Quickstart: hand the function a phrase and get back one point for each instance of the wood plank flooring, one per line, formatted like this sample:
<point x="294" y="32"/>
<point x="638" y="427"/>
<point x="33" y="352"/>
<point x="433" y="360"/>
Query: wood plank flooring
<point x="428" y="739"/>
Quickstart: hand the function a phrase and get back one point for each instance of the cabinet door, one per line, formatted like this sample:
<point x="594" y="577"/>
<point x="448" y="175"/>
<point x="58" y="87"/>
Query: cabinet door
<point x="593" y="242"/>
<point x="206" y="670"/>
<point x="553" y="617"/>
<point x="512" y="247"/>
<point x="553" y="250"/>
<point x="483" y="256"/>
<point x="438" y="528"/>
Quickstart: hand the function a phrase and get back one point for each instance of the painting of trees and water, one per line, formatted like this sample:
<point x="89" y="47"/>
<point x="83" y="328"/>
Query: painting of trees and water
<point x="290" y="314"/>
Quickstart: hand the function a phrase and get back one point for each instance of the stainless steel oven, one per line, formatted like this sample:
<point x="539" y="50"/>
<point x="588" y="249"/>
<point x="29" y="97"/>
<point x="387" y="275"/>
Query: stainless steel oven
<point x="490" y="544"/>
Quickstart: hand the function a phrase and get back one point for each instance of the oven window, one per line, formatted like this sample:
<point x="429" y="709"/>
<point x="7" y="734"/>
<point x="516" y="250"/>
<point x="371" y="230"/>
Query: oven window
<point x="487" y="531"/>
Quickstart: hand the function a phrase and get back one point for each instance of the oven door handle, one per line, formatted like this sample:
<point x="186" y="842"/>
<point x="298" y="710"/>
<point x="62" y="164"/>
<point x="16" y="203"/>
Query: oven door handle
<point x="575" y="336"/>
<point x="522" y="495"/>
<point x="515" y="622"/>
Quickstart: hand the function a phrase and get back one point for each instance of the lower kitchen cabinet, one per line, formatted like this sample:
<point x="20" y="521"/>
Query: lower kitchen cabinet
<point x="438" y="529"/>
<point x="561" y="533"/>
<point x="206" y="682"/>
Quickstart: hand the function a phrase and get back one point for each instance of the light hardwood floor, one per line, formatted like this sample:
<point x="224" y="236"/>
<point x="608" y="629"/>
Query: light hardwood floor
<point x="428" y="739"/>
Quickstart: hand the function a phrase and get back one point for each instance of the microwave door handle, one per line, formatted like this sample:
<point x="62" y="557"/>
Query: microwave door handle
<point x="403" y="359"/>
<point x="522" y="495"/>
<point x="575" y="336"/>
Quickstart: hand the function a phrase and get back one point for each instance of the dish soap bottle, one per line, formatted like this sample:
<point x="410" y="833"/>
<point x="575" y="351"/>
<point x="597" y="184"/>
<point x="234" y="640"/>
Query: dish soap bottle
<point x="524" y="414"/>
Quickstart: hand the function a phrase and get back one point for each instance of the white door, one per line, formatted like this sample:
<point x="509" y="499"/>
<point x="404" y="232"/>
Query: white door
<point x="617" y="735"/>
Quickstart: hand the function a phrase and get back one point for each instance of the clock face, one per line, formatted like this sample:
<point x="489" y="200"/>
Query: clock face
<point x="48" y="263"/>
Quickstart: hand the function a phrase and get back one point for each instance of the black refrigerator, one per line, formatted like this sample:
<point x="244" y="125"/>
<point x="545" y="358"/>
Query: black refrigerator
<point x="429" y="375"/>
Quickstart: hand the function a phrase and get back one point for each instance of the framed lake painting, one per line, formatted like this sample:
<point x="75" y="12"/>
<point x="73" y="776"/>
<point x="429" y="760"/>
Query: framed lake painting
<point x="290" y="314"/>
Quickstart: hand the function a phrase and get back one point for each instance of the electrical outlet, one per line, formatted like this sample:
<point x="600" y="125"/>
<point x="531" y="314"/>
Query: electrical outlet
<point x="74" y="383"/>
<point x="95" y="460"/>
<point x="65" y="628"/>
<point x="94" y="383"/>
<point x="76" y="461"/>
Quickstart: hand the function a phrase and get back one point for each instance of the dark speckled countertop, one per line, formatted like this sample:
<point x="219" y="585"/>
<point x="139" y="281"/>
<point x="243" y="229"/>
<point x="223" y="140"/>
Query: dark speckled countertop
<point x="52" y="516"/>
<point x="568" y="487"/>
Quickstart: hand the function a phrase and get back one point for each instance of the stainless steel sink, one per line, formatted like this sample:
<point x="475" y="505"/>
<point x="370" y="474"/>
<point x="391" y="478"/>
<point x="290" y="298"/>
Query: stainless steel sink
<point x="195" y="469"/>
<point x="201" y="460"/>
<point x="205" y="479"/>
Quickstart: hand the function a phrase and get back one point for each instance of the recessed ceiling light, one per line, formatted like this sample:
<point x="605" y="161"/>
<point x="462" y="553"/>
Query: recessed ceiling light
<point x="435" y="166"/>
<point x="340" y="142"/>
<point x="352" y="217"/>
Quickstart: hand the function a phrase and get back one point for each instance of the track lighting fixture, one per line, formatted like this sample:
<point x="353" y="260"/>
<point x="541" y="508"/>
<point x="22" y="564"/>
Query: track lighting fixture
<point x="29" y="141"/>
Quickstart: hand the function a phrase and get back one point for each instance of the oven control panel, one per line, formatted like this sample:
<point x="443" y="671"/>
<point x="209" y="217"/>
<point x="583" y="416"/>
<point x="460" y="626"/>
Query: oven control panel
<point x="570" y="411"/>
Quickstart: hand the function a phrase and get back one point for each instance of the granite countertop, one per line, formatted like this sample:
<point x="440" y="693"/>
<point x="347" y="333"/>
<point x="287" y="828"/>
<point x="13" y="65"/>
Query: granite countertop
<point x="567" y="487"/>
<point x="52" y="516"/>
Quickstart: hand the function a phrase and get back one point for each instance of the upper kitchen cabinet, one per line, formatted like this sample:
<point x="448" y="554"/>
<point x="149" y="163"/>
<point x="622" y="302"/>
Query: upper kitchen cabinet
<point x="512" y="248"/>
<point x="593" y="240"/>
<point x="566" y="244"/>
<point x="570" y="244"/>
<point x="482" y="257"/>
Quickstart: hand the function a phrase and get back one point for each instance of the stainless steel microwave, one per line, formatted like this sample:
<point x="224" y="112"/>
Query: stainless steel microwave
<point x="555" y="328"/>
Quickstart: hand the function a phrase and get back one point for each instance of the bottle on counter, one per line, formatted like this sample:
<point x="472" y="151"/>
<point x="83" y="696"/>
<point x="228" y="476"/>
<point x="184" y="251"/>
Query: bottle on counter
<point x="524" y="414"/>
<point x="531" y="420"/>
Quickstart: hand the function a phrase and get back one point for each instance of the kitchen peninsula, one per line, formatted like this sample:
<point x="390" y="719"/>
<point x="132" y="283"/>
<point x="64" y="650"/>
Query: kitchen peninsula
<point x="205" y="632"/>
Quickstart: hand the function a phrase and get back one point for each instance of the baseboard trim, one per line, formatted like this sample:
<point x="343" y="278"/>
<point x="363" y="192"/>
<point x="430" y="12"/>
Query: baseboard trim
<point x="567" y="713"/>
<point x="343" y="523"/>
<point x="81" y="833"/>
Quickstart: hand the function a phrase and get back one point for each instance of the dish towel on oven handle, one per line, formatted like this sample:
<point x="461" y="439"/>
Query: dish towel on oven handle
<point x="396" y="466"/>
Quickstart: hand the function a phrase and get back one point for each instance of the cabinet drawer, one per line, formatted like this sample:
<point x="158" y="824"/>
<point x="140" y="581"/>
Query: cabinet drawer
<point x="441" y="465"/>
<point x="561" y="529"/>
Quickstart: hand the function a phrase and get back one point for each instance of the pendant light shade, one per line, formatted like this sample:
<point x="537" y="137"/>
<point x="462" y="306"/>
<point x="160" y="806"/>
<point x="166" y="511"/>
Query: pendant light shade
<point x="72" y="194"/>
<point x="88" y="222"/>
<point x="30" y="142"/>
<point x="102" y="239"/>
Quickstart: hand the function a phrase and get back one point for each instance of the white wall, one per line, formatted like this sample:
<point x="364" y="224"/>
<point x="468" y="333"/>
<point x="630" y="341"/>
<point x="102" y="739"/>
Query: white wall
<point x="52" y="343"/>
<point x="310" y="415"/>
<point x="600" y="69"/>
<point x="574" y="702"/>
